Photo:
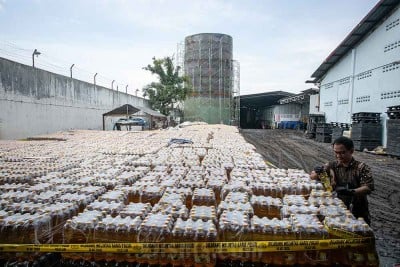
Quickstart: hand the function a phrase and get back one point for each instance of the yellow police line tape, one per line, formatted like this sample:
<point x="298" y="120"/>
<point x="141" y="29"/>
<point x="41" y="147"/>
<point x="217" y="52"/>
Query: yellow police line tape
<point x="270" y="164"/>
<point x="341" y="232"/>
<point x="193" y="247"/>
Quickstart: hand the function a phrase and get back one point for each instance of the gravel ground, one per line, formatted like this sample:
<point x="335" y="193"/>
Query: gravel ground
<point x="290" y="149"/>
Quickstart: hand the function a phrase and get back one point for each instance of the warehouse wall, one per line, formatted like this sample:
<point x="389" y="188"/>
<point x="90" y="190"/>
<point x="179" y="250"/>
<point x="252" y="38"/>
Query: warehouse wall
<point x="365" y="80"/>
<point x="34" y="101"/>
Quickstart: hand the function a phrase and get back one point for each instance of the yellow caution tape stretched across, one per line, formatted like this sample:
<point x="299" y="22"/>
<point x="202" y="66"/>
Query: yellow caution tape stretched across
<point x="194" y="247"/>
<point x="341" y="232"/>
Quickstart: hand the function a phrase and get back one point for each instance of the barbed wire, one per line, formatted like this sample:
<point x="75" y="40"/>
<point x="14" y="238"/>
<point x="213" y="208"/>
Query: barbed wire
<point x="14" y="52"/>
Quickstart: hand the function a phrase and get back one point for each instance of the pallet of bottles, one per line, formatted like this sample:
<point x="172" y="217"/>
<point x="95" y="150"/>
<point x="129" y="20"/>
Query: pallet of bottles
<point x="269" y="214"/>
<point x="393" y="112"/>
<point x="361" y="256"/>
<point x="112" y="187"/>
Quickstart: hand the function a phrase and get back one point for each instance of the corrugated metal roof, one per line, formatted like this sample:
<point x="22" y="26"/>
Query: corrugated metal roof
<point x="130" y="110"/>
<point x="303" y="97"/>
<point x="152" y="112"/>
<point x="122" y="110"/>
<point x="368" y="23"/>
<point x="262" y="100"/>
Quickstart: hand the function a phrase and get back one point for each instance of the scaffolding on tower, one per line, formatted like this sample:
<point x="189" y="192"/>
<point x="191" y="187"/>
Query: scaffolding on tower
<point x="213" y="75"/>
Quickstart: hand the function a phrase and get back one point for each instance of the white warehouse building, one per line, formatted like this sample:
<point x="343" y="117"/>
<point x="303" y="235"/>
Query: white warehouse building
<point x="363" y="73"/>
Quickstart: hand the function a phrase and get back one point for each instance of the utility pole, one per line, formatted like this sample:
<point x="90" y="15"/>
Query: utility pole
<point x="35" y="53"/>
<point x="126" y="92"/>
<point x="70" y="69"/>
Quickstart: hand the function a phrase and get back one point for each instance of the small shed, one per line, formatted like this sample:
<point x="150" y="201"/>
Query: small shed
<point x="154" y="117"/>
<point x="124" y="110"/>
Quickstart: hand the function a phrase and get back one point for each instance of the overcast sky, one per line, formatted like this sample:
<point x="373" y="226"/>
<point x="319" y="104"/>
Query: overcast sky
<point x="279" y="43"/>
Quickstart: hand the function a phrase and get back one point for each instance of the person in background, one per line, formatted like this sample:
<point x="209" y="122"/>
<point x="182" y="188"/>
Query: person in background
<point x="351" y="179"/>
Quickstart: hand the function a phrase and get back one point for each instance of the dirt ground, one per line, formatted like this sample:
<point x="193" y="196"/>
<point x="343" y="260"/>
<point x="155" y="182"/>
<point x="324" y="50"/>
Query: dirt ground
<point x="290" y="149"/>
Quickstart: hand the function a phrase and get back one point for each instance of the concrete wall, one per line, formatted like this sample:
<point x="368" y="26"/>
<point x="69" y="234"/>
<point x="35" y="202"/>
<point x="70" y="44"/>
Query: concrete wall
<point x="34" y="101"/>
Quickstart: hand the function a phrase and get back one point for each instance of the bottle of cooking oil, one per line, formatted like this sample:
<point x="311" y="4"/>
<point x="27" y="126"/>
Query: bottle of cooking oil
<point x="371" y="257"/>
<point x="178" y="230"/>
<point x="282" y="232"/>
<point x="305" y="232"/>
<point x="68" y="231"/>
<point x="262" y="230"/>
<point x="324" y="177"/>
<point x="133" y="229"/>
<point x="177" y="236"/>
<point x="121" y="232"/>
<point x="203" y="197"/>
<point x="274" y="208"/>
<point x="200" y="235"/>
<point x="189" y="231"/>
<point x="19" y="232"/>
<point x="99" y="232"/>
<point x="356" y="257"/>
<point x="111" y="231"/>
<point x="212" y="233"/>
<point x="81" y="232"/>
<point x="204" y="232"/>
<point x="99" y="237"/>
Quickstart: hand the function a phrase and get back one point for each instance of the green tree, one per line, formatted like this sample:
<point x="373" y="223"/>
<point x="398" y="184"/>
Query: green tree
<point x="170" y="88"/>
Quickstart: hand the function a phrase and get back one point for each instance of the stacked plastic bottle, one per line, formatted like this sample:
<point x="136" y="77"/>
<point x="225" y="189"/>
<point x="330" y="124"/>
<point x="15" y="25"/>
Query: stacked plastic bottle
<point x="25" y="228"/>
<point x="266" y="206"/>
<point x="204" y="213"/>
<point x="203" y="197"/>
<point x="136" y="210"/>
<point x="80" y="228"/>
<point x="113" y="208"/>
<point x="190" y="230"/>
<point x="151" y="194"/>
<point x="172" y="203"/>
<point x="156" y="227"/>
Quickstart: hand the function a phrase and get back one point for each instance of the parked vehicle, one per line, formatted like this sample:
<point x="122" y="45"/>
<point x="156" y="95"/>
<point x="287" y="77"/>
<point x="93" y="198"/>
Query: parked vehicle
<point x="139" y="121"/>
<point x="128" y="122"/>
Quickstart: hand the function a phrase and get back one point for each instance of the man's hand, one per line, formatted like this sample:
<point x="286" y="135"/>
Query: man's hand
<point x="345" y="191"/>
<point x="319" y="169"/>
<point x="314" y="175"/>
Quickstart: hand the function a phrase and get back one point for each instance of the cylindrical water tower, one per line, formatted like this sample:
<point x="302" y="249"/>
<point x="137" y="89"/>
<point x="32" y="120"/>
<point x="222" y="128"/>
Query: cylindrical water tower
<point x="208" y="64"/>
